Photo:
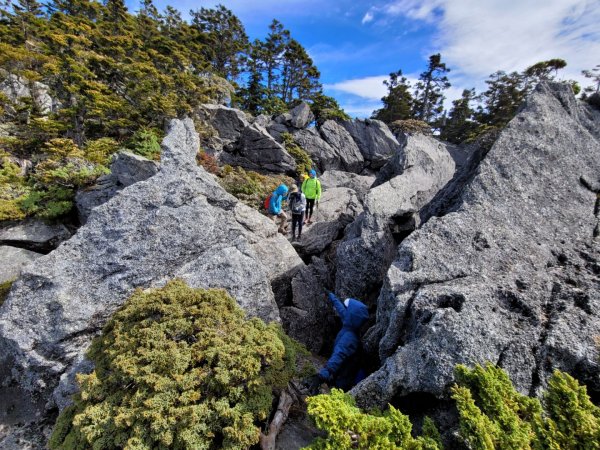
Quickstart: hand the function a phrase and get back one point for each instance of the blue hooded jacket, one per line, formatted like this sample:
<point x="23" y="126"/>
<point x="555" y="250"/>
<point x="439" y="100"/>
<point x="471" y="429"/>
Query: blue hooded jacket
<point x="347" y="341"/>
<point x="276" y="198"/>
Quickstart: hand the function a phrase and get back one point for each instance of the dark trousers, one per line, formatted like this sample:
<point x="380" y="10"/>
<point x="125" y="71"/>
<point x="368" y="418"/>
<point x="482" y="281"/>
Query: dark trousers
<point x="297" y="219"/>
<point x="310" y="205"/>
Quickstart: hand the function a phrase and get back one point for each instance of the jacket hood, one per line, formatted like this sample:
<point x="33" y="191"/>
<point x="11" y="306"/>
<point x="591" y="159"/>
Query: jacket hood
<point x="281" y="190"/>
<point x="356" y="315"/>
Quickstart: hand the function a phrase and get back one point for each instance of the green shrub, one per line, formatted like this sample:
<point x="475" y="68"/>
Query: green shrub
<point x="178" y="368"/>
<point x="411" y="126"/>
<point x="250" y="187"/>
<point x="145" y="142"/>
<point x="303" y="161"/>
<point x="348" y="427"/>
<point x="100" y="150"/>
<point x="493" y="415"/>
<point x="4" y="289"/>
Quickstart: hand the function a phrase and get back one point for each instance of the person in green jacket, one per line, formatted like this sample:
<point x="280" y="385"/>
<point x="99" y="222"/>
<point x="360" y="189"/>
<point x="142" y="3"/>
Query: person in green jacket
<point x="311" y="188"/>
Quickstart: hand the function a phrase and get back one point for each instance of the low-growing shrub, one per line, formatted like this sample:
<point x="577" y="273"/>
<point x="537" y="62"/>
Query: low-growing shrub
<point x="100" y="150"/>
<point x="411" y="126"/>
<point x="348" y="427"/>
<point x="208" y="161"/>
<point x="303" y="161"/>
<point x="493" y="415"/>
<point x="250" y="187"/>
<point x="145" y="142"/>
<point x="178" y="368"/>
<point x="4" y="289"/>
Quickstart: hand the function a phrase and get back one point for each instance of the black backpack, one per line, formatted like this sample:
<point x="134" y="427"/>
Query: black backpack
<point x="296" y="203"/>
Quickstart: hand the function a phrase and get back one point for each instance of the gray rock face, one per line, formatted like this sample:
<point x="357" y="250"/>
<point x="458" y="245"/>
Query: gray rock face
<point x="337" y="178"/>
<point x="257" y="150"/>
<point x="347" y="155"/>
<point x="310" y="316"/>
<point x="34" y="235"/>
<point x="374" y="139"/>
<point x="321" y="153"/>
<point x="227" y="122"/>
<point x="299" y="117"/>
<point x="391" y="212"/>
<point x="126" y="169"/>
<point x="178" y="223"/>
<point x="16" y="88"/>
<point x="13" y="260"/>
<point x="337" y="208"/>
<point x="512" y="276"/>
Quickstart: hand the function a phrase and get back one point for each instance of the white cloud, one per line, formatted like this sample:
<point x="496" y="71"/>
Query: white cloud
<point x="476" y="37"/>
<point x="368" y="88"/>
<point x="368" y="17"/>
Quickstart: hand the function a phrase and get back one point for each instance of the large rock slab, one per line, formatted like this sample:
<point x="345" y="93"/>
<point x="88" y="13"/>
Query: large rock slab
<point x="178" y="223"/>
<point x="391" y="212"/>
<point x="338" y="178"/>
<point x="298" y="117"/>
<point x="374" y="139"/>
<point x="227" y="122"/>
<point x="258" y="150"/>
<point x="13" y="260"/>
<point x="512" y="276"/>
<point x="337" y="208"/>
<point x="126" y="169"/>
<point x="347" y="155"/>
<point x="34" y="235"/>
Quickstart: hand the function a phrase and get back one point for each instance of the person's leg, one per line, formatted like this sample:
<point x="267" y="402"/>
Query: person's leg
<point x="300" y="222"/>
<point x="283" y="224"/>
<point x="310" y="203"/>
<point x="296" y="219"/>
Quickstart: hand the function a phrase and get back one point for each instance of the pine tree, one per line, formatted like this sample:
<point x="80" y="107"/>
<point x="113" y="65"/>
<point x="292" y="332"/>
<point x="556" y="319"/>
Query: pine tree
<point x="397" y="104"/>
<point x="502" y="98"/>
<point x="429" y="98"/>
<point x="226" y="42"/>
<point x="460" y="123"/>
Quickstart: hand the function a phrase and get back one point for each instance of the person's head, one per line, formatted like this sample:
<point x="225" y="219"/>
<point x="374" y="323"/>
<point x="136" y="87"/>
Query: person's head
<point x="282" y="189"/>
<point x="356" y="314"/>
<point x="312" y="173"/>
<point x="294" y="188"/>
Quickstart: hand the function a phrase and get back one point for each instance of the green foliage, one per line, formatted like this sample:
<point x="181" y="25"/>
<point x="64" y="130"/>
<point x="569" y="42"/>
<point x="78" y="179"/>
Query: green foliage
<point x="303" y="161"/>
<point x="177" y="368"/>
<point x="146" y="143"/>
<point x="493" y="415"/>
<point x="99" y="151"/>
<point x="250" y="187"/>
<point x="348" y="427"/>
<point x="398" y="103"/>
<point x="411" y="126"/>
<point x="460" y="123"/>
<point x="325" y="108"/>
<point x="4" y="289"/>
<point x="428" y="96"/>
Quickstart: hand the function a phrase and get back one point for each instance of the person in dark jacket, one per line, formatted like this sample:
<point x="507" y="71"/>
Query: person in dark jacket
<point x="341" y="368"/>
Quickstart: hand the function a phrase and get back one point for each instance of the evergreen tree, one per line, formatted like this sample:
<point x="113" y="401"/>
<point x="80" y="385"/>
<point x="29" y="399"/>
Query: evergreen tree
<point x="299" y="76"/>
<point x="542" y="71"/>
<point x="398" y="103"/>
<point x="429" y="98"/>
<point x="226" y="42"/>
<point x="594" y="76"/>
<point x="460" y="123"/>
<point x="502" y="98"/>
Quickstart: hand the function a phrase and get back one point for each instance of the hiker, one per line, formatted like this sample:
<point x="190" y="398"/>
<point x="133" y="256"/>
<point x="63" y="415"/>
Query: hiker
<point x="342" y="368"/>
<point x="275" y="210"/>
<point x="297" y="204"/>
<point x="311" y="187"/>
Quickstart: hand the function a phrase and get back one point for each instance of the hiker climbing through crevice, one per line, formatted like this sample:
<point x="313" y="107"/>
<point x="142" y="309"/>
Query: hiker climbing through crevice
<point x="343" y="368"/>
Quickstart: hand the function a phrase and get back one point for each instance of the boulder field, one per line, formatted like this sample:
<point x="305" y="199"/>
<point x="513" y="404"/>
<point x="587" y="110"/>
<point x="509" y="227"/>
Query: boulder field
<point x="464" y="254"/>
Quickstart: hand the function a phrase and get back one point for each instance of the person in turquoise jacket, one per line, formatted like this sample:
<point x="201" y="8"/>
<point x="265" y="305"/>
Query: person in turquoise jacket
<point x="275" y="209"/>
<point x="342" y="367"/>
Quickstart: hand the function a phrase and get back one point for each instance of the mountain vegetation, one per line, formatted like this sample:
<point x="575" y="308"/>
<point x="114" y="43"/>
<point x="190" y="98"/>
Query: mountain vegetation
<point x="101" y="78"/>
<point x="471" y="115"/>
<point x="178" y="368"/>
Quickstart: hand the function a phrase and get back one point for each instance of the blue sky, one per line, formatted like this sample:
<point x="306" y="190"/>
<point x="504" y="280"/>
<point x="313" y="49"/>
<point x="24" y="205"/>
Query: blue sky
<point x="356" y="44"/>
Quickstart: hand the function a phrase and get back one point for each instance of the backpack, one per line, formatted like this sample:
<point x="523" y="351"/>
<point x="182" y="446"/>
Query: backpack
<point x="268" y="202"/>
<point x="296" y="203"/>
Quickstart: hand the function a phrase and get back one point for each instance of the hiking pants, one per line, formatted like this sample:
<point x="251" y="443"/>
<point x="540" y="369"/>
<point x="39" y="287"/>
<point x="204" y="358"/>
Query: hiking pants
<point x="282" y="222"/>
<point x="297" y="220"/>
<point x="310" y="204"/>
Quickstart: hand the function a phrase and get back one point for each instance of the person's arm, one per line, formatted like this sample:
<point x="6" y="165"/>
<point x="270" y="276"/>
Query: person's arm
<point x="337" y="304"/>
<point x="340" y="354"/>
<point x="278" y="201"/>
<point x="318" y="190"/>
<point x="303" y="202"/>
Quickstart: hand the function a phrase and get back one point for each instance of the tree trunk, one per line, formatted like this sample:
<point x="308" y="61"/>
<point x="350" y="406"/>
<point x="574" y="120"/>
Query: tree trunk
<point x="286" y="400"/>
